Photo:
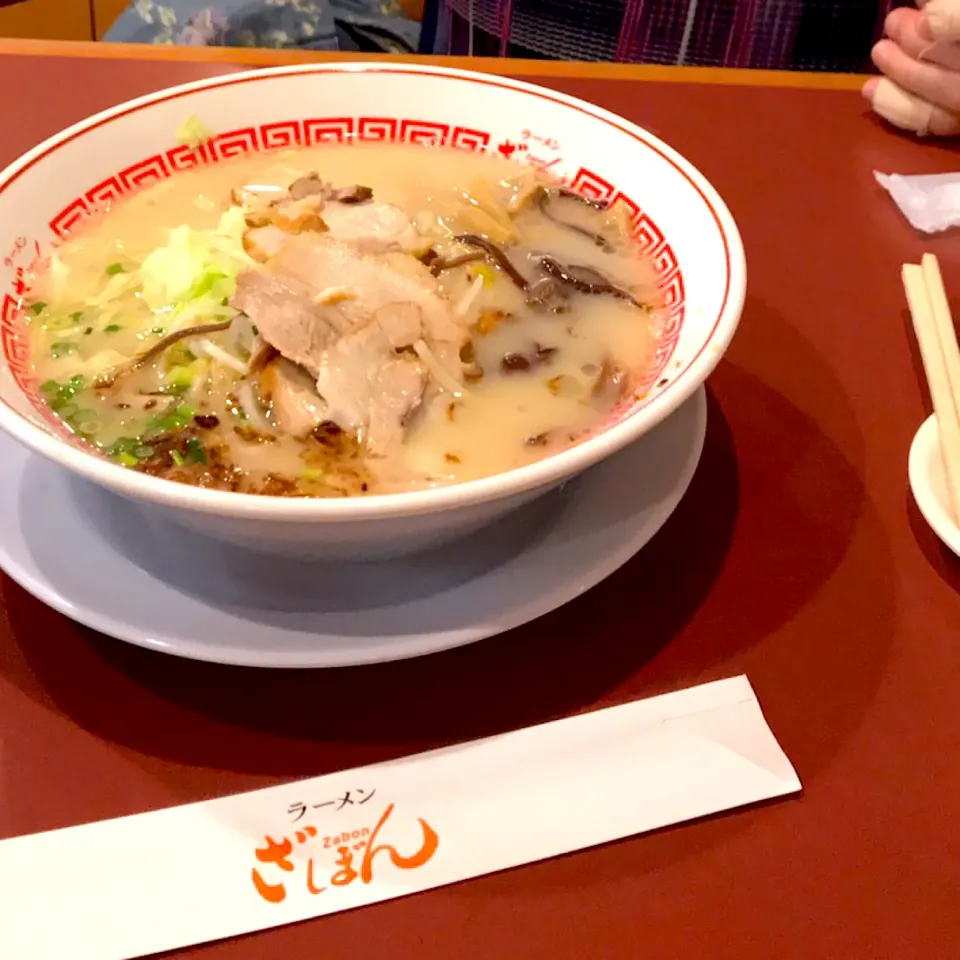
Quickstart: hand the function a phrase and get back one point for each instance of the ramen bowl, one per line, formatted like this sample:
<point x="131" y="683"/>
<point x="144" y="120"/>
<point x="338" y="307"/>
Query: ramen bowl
<point x="678" y="219"/>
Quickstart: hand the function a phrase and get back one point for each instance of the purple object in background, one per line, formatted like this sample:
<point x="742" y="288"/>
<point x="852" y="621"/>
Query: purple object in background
<point x="788" y="34"/>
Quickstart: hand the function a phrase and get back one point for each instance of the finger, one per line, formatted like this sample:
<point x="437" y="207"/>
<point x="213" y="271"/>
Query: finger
<point x="910" y="30"/>
<point x="943" y="17"/>
<point x="929" y="81"/>
<point x="907" y="111"/>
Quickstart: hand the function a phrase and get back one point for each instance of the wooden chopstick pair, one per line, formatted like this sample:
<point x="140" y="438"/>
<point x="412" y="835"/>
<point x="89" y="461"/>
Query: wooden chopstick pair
<point x="937" y="339"/>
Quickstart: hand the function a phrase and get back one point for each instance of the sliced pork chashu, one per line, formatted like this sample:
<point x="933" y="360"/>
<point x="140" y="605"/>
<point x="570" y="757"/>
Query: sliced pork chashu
<point x="372" y="227"/>
<point x="374" y="280"/>
<point x="352" y="322"/>
<point x="286" y="316"/>
<point x="368" y="388"/>
<point x="291" y="394"/>
<point x="349" y="214"/>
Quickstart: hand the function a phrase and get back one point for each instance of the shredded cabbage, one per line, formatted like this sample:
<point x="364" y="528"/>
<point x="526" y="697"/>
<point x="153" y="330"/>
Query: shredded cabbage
<point x="197" y="269"/>
<point x="193" y="131"/>
<point x="96" y="364"/>
<point x="115" y="287"/>
<point x="59" y="272"/>
<point x="187" y="280"/>
<point x="232" y="227"/>
<point x="169" y="273"/>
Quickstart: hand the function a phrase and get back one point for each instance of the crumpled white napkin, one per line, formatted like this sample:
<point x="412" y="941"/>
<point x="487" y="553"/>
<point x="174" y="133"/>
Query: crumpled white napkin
<point x="931" y="202"/>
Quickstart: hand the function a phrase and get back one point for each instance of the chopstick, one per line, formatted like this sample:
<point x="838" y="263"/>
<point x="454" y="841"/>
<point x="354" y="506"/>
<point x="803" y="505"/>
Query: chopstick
<point x="937" y="339"/>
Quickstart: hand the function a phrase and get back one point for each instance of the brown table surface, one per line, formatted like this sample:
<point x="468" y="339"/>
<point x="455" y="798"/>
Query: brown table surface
<point x="797" y="558"/>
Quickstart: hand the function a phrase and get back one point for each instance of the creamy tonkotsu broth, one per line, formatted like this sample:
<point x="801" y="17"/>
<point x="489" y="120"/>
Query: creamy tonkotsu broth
<point x="340" y="320"/>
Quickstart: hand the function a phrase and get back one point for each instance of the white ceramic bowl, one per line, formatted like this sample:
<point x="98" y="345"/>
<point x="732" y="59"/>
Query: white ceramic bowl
<point x="680" y="219"/>
<point x="928" y="482"/>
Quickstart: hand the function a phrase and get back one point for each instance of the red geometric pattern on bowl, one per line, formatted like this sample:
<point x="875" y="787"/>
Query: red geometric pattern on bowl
<point x="317" y="130"/>
<point x="426" y="134"/>
<point x="590" y="184"/>
<point x="377" y="129"/>
<point x="648" y="235"/>
<point x="186" y="158"/>
<point x="669" y="278"/>
<point x="236" y="143"/>
<point x="142" y="174"/>
<point x="69" y="217"/>
<point x="106" y="192"/>
<point x="328" y="130"/>
<point x="466" y="138"/>
<point x="288" y="133"/>
<point x="16" y="349"/>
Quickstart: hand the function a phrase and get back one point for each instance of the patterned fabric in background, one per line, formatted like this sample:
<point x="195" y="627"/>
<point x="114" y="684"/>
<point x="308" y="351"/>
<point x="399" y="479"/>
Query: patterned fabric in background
<point x="787" y="34"/>
<point x="353" y="25"/>
<point x="774" y="34"/>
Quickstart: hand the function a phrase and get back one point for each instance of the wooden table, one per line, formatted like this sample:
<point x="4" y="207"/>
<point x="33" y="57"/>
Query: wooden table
<point x="797" y="557"/>
<point x="59" y="19"/>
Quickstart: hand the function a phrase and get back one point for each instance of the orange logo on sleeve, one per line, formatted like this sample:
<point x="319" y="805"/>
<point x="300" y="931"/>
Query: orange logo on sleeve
<point x="364" y="843"/>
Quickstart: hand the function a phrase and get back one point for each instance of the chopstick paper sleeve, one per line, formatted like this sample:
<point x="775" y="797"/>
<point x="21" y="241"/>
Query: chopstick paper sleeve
<point x="182" y="876"/>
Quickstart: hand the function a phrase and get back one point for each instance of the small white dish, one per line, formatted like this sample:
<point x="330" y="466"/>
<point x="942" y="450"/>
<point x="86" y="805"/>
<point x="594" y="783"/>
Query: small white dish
<point x="128" y="572"/>
<point x="929" y="484"/>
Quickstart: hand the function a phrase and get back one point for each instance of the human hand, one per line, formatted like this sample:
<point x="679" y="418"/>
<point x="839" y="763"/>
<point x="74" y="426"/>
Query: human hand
<point x="920" y="60"/>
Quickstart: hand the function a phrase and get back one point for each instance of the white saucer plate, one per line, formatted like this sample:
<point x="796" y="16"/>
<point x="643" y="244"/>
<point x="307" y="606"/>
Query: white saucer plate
<point x="118" y="568"/>
<point x="928" y="482"/>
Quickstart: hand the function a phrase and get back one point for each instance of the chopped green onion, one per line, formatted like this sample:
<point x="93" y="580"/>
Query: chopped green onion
<point x="130" y="451"/>
<point x="114" y="269"/>
<point x="312" y="473"/>
<point x="67" y="410"/>
<point x="196" y="451"/>
<point x="169" y="422"/>
<point x="63" y="394"/>
<point x="124" y="445"/>
<point x="86" y="423"/>
<point x="61" y="348"/>
<point x="38" y="307"/>
<point x="206" y="283"/>
<point x="75" y="317"/>
<point x="179" y="355"/>
<point x="177" y="457"/>
<point x="112" y="328"/>
<point x="157" y="425"/>
<point x="179" y="379"/>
